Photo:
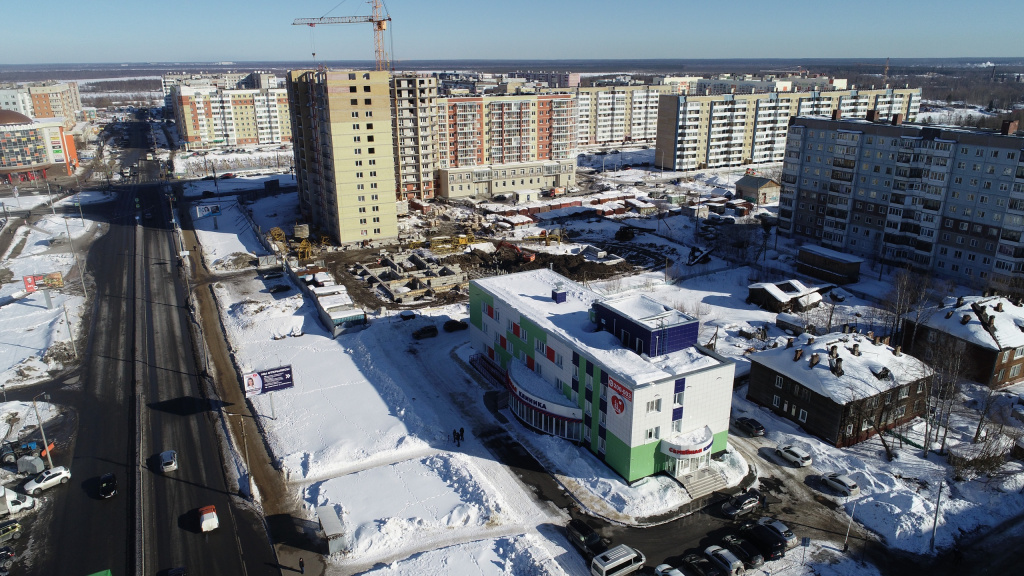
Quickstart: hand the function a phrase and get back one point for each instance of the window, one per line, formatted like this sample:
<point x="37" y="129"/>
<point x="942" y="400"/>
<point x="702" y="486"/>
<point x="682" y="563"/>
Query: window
<point x="367" y="101"/>
<point x="355" y="114"/>
<point x="865" y="424"/>
<point x="920" y="387"/>
<point x="354" y="102"/>
<point x="677" y="399"/>
<point x="1018" y="352"/>
<point x="903" y="392"/>
<point x="775" y="400"/>
<point x="1015" y="371"/>
<point x="677" y="426"/>
<point x="590" y="382"/>
<point x="653" y="433"/>
<point x="587" y="406"/>
<point x="803" y="415"/>
<point x="654" y="405"/>
<point x="849" y="429"/>
<point x="365" y="89"/>
<point x="778" y="381"/>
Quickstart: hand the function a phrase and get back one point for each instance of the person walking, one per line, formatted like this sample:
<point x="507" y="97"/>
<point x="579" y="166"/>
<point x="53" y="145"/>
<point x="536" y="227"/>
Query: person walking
<point x="302" y="566"/>
<point x="455" y="433"/>
<point x="462" y="434"/>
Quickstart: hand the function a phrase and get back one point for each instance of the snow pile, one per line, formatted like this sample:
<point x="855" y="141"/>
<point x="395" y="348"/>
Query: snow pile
<point x="522" y="555"/>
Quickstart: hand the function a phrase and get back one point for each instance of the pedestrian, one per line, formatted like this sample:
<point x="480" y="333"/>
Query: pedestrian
<point x="302" y="566"/>
<point x="462" y="434"/>
<point x="455" y="433"/>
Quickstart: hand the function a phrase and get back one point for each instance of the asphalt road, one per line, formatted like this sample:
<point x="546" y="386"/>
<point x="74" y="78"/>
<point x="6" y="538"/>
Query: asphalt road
<point x="139" y="364"/>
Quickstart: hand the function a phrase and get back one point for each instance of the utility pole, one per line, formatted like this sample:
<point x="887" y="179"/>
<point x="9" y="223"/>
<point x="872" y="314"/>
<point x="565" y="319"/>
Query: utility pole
<point x="846" y="541"/>
<point x="935" y="521"/>
<point x="81" y="274"/>
<point x="71" y="335"/>
<point x="46" y="445"/>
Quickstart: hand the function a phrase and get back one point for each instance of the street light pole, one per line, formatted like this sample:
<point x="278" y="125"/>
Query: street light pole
<point x="81" y="275"/>
<point x="245" y="447"/>
<point x="846" y="541"/>
<point x="46" y="445"/>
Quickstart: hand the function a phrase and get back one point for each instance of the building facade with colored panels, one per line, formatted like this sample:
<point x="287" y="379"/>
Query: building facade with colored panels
<point x="623" y="376"/>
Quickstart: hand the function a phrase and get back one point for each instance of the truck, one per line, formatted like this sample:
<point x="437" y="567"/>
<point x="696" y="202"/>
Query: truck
<point x="11" y="502"/>
<point x="208" y="520"/>
<point x="11" y="451"/>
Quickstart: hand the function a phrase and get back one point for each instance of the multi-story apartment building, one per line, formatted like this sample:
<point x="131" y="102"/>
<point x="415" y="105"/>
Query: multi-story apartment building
<point x="414" y="98"/>
<point x="623" y="376"/>
<point x="946" y="200"/>
<point x="56" y="100"/>
<point x="344" y="152"/>
<point x="553" y="79"/>
<point x="207" y="116"/>
<point x="712" y="131"/>
<point x="497" y="144"/>
<point x="16" y="99"/>
<point x="226" y="81"/>
<point x="617" y="114"/>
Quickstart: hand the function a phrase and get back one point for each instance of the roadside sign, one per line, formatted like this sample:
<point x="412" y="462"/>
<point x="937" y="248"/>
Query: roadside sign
<point x="263" y="381"/>
<point x="805" y="541"/>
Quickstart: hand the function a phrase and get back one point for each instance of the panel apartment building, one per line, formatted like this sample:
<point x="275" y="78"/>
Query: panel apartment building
<point x="498" y="144"/>
<point x="210" y="117"/>
<point x="344" y="152"/>
<point x="416" y="125"/>
<point x="725" y="130"/>
<point x="945" y="200"/>
<point x="44" y="100"/>
<point x="623" y="376"/>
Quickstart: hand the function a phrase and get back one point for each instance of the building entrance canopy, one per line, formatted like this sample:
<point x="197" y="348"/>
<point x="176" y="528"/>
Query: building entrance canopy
<point x="540" y="395"/>
<point x="688" y="444"/>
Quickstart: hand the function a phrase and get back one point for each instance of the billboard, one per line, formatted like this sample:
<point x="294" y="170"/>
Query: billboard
<point x="263" y="381"/>
<point x="42" y="281"/>
<point x="207" y="209"/>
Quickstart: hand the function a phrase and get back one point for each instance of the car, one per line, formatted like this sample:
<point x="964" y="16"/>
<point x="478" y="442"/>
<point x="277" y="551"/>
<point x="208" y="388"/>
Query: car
<point x="10" y="531"/>
<point x="6" y="557"/>
<point x="750" y="426"/>
<point x="425" y="332"/>
<point x="48" y="479"/>
<point x="455" y="325"/>
<point x="168" y="461"/>
<point x="793" y="455"/>
<point x="585" y="538"/>
<point x="208" y="520"/>
<point x="779" y="528"/>
<point x="108" y="485"/>
<point x="278" y="288"/>
<point x="841" y="483"/>
<point x="667" y="570"/>
<point x="701" y="566"/>
<point x="741" y="504"/>
<point x="769" y="542"/>
<point x="744" y="550"/>
<point x="724" y="559"/>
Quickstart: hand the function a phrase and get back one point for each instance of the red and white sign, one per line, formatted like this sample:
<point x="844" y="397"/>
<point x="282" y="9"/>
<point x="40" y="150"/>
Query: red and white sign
<point x="618" y="405"/>
<point x="620" y="389"/>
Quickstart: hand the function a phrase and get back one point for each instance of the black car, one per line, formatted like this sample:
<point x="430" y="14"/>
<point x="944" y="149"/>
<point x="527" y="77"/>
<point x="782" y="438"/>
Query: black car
<point x="6" y="557"/>
<point x="455" y="325"/>
<point x="741" y="504"/>
<point x="585" y="539"/>
<point x="700" y="565"/>
<point x="425" y="332"/>
<point x="769" y="542"/>
<point x="108" y="485"/>
<point x="749" y="554"/>
<point x="750" y="426"/>
<point x="278" y="288"/>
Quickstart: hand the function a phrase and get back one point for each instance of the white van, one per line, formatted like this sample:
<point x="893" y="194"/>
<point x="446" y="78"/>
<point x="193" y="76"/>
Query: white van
<point x="618" y="561"/>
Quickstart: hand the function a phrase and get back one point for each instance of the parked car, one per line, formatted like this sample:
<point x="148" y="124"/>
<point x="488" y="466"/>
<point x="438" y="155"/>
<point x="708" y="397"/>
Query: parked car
<point x="585" y="539"/>
<point x="108" y="485"/>
<point x="208" y="519"/>
<point x="744" y="550"/>
<point x="769" y="542"/>
<point x="455" y="325"/>
<point x="780" y="529"/>
<point x="741" y="504"/>
<point x="793" y="455"/>
<point x="425" y="332"/>
<point x="10" y="531"/>
<point x="667" y="570"/>
<point x="168" y="461"/>
<point x="272" y="275"/>
<point x="724" y="560"/>
<point x="749" y="426"/>
<point x="701" y="566"/>
<point x="841" y="483"/>
<point x="278" y="288"/>
<point x="48" y="479"/>
<point x="6" y="557"/>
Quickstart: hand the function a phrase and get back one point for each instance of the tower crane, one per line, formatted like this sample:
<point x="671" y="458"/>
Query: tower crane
<point x="885" y="75"/>
<point x="380" y="25"/>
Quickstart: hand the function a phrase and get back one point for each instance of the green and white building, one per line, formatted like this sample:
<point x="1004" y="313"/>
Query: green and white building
<point x="623" y="376"/>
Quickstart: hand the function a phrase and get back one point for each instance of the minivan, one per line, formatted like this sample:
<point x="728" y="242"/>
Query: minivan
<point x="618" y="561"/>
<point x="585" y="538"/>
<point x="770" y="543"/>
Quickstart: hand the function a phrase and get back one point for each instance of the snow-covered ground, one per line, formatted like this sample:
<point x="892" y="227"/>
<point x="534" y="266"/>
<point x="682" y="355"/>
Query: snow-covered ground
<point x="36" y="336"/>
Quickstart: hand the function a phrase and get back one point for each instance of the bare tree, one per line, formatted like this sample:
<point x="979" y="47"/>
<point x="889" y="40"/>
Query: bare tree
<point x="986" y="406"/>
<point x="947" y="357"/>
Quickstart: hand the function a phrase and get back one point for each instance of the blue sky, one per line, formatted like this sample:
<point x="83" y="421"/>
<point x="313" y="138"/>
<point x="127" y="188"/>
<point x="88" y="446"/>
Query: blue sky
<point x="237" y="30"/>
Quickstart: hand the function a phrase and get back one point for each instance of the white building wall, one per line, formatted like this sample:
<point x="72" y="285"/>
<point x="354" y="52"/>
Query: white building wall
<point x="707" y="399"/>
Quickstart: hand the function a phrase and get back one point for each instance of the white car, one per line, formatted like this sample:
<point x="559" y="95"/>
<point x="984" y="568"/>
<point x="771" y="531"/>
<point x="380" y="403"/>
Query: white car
<point x="48" y="479"/>
<point x="724" y="559"/>
<point x="168" y="461"/>
<point x="793" y="455"/>
<point x="667" y="570"/>
<point x="841" y="483"/>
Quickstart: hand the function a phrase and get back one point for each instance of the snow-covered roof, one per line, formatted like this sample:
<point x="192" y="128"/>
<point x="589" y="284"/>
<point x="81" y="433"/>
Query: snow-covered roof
<point x="757" y="182"/>
<point x="335" y="301"/>
<point x="860" y="378"/>
<point x="1007" y="330"/>
<point x="529" y="293"/>
<point x="831" y="254"/>
<point x="647" y="311"/>
<point x="785" y="291"/>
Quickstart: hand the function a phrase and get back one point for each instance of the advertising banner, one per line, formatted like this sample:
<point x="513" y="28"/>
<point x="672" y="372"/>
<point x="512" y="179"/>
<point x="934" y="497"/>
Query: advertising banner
<point x="207" y="210"/>
<point x="42" y="281"/>
<point x="263" y="381"/>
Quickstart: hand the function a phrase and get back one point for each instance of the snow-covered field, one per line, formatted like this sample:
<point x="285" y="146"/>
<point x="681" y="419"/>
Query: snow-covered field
<point x="36" y="336"/>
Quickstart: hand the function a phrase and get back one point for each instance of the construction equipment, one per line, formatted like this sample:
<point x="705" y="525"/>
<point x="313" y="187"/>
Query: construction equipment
<point x="380" y="25"/>
<point x="277" y="234"/>
<point x="523" y="254"/>
<point x="305" y="250"/>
